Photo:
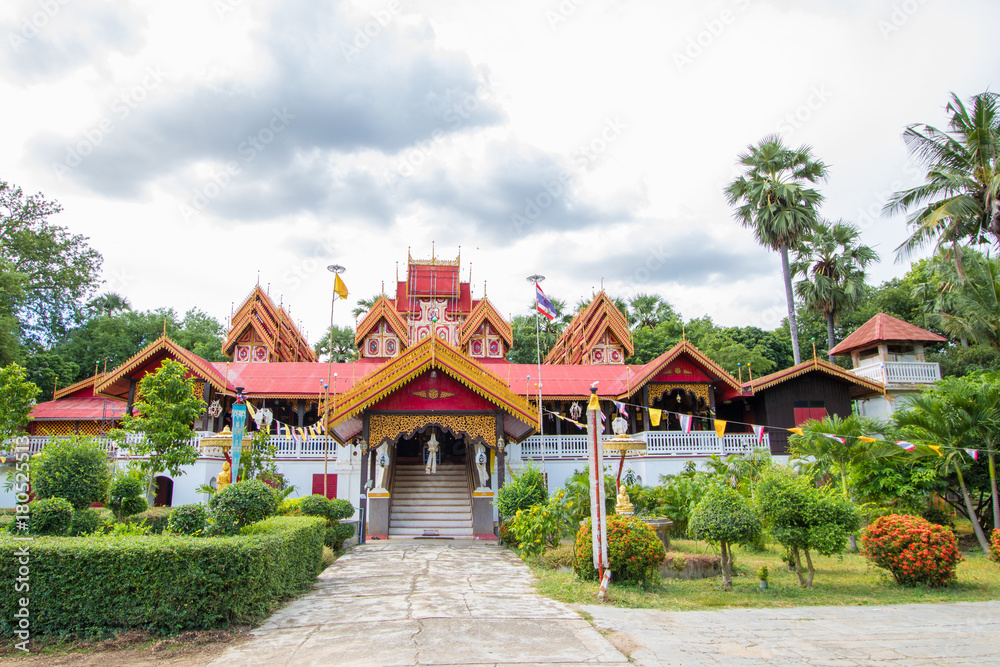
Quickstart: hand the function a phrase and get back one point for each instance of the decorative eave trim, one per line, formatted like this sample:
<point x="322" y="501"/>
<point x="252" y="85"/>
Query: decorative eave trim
<point x="587" y="328"/>
<point x="383" y="309"/>
<point x="431" y="353"/>
<point x="189" y="359"/>
<point x="670" y="355"/>
<point x="485" y="311"/>
<point x="77" y="386"/>
<point x="807" y="366"/>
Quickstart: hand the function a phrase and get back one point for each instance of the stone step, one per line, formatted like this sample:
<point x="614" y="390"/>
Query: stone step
<point x="431" y="518"/>
<point x="439" y="532"/>
<point x="435" y="499"/>
<point x="417" y="523"/>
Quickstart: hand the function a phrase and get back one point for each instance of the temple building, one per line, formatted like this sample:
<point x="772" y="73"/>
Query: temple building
<point x="423" y="428"/>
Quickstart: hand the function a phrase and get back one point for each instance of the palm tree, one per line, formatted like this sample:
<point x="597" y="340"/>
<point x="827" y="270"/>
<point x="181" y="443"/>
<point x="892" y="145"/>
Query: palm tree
<point x="648" y="310"/>
<point x="960" y="200"/>
<point x="364" y="305"/>
<point x="944" y="421"/>
<point x="773" y="199"/>
<point x="975" y="304"/>
<point x="818" y="454"/>
<point x="109" y="303"/>
<point x="832" y="261"/>
<point x="344" y="349"/>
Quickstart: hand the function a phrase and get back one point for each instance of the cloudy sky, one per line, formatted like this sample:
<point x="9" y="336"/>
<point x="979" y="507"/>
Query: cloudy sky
<point x="199" y="142"/>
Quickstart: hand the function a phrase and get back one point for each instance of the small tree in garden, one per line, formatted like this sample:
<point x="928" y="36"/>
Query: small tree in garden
<point x="726" y="517"/>
<point x="242" y="504"/>
<point x="522" y="492"/>
<point x="127" y="496"/>
<point x="74" y="468"/>
<point x="913" y="550"/>
<point x="17" y="397"/>
<point x="804" y="518"/>
<point x="167" y="407"/>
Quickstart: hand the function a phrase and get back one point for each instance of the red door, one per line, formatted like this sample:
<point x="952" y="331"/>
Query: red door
<point x="331" y="482"/>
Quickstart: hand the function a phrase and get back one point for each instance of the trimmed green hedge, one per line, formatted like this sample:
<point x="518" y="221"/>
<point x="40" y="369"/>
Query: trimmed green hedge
<point x="94" y="585"/>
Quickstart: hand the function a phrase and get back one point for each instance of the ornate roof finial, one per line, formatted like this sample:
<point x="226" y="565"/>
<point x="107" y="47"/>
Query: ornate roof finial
<point x="164" y="327"/>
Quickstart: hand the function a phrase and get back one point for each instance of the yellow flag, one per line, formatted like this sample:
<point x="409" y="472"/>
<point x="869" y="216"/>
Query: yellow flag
<point x="339" y="287"/>
<point x="796" y="431"/>
<point x="654" y="417"/>
<point x="866" y="439"/>
<point x="936" y="448"/>
<point x="253" y="413"/>
<point x="594" y="403"/>
<point x="720" y="427"/>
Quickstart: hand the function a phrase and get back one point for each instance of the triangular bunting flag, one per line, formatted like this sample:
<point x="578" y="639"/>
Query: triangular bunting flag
<point x="863" y="438"/>
<point x="685" y="421"/>
<point x="936" y="448"/>
<point x="758" y="431"/>
<point x="720" y="427"/>
<point x="908" y="446"/>
<point x="974" y="453"/>
<point x="251" y="411"/>
<point x="621" y="409"/>
<point x="835" y="437"/>
<point x="654" y="417"/>
<point x="797" y="431"/>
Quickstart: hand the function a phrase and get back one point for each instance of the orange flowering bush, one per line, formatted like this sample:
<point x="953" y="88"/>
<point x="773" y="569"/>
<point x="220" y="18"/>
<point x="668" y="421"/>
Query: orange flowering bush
<point x="914" y="550"/>
<point x="634" y="550"/>
<point x="995" y="545"/>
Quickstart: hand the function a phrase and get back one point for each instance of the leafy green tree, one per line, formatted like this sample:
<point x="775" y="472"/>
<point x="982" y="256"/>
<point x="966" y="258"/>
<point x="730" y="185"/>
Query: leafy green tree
<point x="12" y="296"/>
<point x="773" y="197"/>
<point x="522" y="492"/>
<point x="344" y="349"/>
<point x="166" y="408"/>
<point x="17" y="397"/>
<point x="56" y="269"/>
<point x="649" y="310"/>
<point x="76" y="469"/>
<point x="109" y="303"/>
<point x="364" y="305"/>
<point x="975" y="312"/>
<point x="804" y="518"/>
<point x="832" y="261"/>
<point x="944" y="421"/>
<point x="959" y="202"/>
<point x="726" y="517"/>
<point x="126" y="495"/>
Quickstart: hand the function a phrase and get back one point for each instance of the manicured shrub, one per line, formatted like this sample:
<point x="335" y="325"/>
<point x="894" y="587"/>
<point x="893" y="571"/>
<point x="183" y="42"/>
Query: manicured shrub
<point x="913" y="550"/>
<point x="188" y="520"/>
<point x="163" y="584"/>
<point x="522" y="492"/>
<point x="995" y="545"/>
<point x="154" y="517"/>
<point x="75" y="469"/>
<point x="726" y="517"/>
<point x="340" y="509"/>
<point x="86" y="521"/>
<point x="338" y="533"/>
<point x="51" y="516"/>
<point x="315" y="505"/>
<point x="127" y="496"/>
<point x="634" y="550"/>
<point x="559" y="556"/>
<point x="242" y="504"/>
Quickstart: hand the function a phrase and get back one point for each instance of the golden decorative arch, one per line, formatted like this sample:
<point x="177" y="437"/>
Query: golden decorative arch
<point x="389" y="428"/>
<point x="658" y="389"/>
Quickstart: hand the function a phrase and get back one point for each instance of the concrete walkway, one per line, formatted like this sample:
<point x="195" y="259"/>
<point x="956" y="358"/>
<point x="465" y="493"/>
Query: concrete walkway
<point x="964" y="633"/>
<point x="424" y="602"/>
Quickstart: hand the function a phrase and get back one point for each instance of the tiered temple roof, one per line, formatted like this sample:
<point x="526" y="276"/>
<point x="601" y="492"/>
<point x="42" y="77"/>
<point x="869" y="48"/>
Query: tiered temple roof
<point x="260" y="331"/>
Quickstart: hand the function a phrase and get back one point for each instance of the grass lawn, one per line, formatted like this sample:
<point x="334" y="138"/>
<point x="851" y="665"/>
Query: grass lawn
<point x="839" y="581"/>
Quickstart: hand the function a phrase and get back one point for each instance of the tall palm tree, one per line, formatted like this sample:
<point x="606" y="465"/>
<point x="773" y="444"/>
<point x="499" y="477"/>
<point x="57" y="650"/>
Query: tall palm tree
<point x="832" y="260"/>
<point x="960" y="200"/>
<point x="975" y="304"/>
<point x="344" y="349"/>
<point x="773" y="198"/>
<point x="364" y="305"/>
<point x="648" y="310"/>
<point x="109" y="303"/>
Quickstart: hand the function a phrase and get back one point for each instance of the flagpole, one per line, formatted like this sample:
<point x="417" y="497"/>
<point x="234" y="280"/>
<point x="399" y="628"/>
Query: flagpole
<point x="535" y="278"/>
<point x="336" y="269"/>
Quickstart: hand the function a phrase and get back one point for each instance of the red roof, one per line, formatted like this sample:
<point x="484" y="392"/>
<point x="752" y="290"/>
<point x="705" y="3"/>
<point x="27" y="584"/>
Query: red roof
<point x="79" y="409"/>
<point x="885" y="328"/>
<point x="569" y="380"/>
<point x="294" y="379"/>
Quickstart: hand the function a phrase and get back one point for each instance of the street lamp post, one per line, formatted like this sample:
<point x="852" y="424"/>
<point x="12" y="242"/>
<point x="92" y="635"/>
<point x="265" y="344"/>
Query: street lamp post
<point x="335" y="269"/>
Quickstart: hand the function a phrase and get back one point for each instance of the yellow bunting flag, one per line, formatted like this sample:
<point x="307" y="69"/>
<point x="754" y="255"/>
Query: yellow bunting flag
<point x="796" y="431"/>
<point x="654" y="417"/>
<point x="863" y="438"/>
<point x="720" y="427"/>
<point x="339" y="287"/>
<point x="936" y="448"/>
<point x="253" y="413"/>
<point x="594" y="403"/>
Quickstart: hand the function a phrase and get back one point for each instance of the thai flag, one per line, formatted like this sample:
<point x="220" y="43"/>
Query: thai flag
<point x="836" y="437"/>
<point x="621" y="408"/>
<point x="908" y="446"/>
<point x="543" y="304"/>
<point x="974" y="453"/>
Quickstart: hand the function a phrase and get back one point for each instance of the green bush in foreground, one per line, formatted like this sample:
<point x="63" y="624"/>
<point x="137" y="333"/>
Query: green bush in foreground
<point x="100" y="584"/>
<point x="188" y="520"/>
<point x="242" y="504"/>
<point x="522" y="492"/>
<point x="75" y="469"/>
<point x="127" y="496"/>
<point x="51" y="516"/>
<point x="85" y="521"/>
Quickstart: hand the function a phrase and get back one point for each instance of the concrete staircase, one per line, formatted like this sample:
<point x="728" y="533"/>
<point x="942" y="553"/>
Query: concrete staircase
<point x="437" y="505"/>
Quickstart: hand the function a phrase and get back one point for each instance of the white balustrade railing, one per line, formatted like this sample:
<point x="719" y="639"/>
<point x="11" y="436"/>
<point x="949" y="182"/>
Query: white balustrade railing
<point x="658" y="443"/>
<point x="285" y="447"/>
<point x="901" y="372"/>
